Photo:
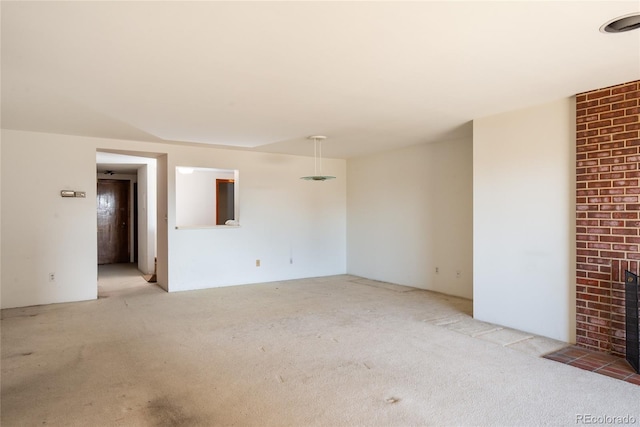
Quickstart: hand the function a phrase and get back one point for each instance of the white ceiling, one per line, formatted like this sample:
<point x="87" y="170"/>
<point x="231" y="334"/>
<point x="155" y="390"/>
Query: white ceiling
<point x="369" y="75"/>
<point x="120" y="163"/>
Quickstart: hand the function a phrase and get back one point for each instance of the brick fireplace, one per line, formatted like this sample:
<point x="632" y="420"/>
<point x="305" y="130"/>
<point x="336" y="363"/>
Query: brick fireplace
<point x="607" y="211"/>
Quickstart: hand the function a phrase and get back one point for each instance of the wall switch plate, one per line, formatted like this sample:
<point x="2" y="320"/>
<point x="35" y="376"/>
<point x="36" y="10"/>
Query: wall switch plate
<point x="257" y="263"/>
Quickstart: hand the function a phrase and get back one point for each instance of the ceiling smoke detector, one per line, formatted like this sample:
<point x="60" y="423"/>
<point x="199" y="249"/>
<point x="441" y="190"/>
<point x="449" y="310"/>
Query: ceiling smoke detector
<point x="622" y="24"/>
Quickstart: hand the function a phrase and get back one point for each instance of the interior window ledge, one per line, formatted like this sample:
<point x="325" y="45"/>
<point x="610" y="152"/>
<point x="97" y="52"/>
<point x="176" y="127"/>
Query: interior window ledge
<point x="204" y="227"/>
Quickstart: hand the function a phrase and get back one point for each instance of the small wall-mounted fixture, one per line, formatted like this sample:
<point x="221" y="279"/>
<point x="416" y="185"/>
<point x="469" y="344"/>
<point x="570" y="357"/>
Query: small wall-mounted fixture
<point x="622" y="24"/>
<point x="70" y="193"/>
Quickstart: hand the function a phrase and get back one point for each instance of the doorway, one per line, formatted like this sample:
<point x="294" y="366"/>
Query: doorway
<point x="128" y="236"/>
<point x="113" y="221"/>
<point x="225" y="206"/>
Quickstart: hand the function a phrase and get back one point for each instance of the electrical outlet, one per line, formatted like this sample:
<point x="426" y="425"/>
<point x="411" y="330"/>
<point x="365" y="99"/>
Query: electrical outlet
<point x="458" y="274"/>
<point x="290" y="260"/>
<point x="52" y="277"/>
<point x="437" y="270"/>
<point x="257" y="263"/>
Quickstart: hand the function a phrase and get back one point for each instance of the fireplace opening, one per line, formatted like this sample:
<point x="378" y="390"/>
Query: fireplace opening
<point x="631" y="318"/>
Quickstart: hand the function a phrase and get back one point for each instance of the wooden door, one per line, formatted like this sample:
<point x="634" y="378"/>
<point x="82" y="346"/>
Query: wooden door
<point x="225" y="204"/>
<point x="113" y="221"/>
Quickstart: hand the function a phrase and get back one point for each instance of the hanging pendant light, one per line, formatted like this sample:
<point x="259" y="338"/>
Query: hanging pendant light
<point x="317" y="160"/>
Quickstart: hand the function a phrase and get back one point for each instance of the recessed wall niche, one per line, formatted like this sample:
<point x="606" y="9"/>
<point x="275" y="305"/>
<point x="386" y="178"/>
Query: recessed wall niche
<point x="206" y="197"/>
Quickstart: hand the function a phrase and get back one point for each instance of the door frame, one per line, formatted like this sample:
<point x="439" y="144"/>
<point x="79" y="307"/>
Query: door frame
<point x="153" y="209"/>
<point x="220" y="181"/>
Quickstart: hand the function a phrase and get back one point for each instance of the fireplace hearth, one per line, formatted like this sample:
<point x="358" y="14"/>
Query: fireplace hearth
<point x="632" y="324"/>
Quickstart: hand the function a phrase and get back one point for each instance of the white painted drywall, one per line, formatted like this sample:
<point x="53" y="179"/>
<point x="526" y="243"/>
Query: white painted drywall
<point x="410" y="212"/>
<point x="147" y="217"/>
<point x="43" y="233"/>
<point x="295" y="228"/>
<point x="163" y="236"/>
<point x="284" y="219"/>
<point x="524" y="219"/>
<point x="0" y="221"/>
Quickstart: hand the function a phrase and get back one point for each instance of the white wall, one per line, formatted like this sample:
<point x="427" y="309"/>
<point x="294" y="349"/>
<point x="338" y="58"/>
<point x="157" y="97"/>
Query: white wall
<point x="42" y="232"/>
<point x="524" y="219"/>
<point x="0" y="220"/>
<point x="295" y="228"/>
<point x="147" y="217"/>
<point x="163" y="235"/>
<point x="283" y="218"/>
<point x="410" y="211"/>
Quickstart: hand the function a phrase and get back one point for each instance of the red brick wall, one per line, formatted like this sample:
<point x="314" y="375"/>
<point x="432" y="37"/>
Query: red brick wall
<point x="607" y="211"/>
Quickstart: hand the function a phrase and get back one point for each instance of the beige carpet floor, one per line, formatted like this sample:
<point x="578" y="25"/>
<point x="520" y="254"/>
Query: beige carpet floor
<point x="332" y="351"/>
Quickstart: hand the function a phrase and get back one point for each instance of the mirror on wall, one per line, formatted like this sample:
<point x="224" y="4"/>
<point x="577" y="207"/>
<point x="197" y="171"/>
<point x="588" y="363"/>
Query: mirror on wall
<point x="206" y="197"/>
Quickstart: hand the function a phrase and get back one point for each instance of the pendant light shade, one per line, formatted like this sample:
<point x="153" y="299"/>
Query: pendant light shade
<point x="317" y="160"/>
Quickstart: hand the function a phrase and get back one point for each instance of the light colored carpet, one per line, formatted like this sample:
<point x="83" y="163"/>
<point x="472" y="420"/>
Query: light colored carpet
<point x="334" y="351"/>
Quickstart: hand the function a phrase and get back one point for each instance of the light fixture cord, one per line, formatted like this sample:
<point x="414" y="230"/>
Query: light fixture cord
<point x="315" y="156"/>
<point x="320" y="153"/>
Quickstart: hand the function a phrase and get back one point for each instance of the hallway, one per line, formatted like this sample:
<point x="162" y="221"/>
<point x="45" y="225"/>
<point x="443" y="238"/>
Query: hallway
<point x="123" y="280"/>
